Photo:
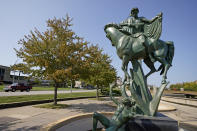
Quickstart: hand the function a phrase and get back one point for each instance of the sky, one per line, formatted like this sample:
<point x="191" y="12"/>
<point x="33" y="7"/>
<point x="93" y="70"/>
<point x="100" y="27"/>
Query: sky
<point x="19" y="17"/>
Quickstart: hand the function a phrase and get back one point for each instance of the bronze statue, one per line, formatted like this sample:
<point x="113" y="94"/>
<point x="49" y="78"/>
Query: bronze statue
<point x="134" y="26"/>
<point x="137" y="38"/>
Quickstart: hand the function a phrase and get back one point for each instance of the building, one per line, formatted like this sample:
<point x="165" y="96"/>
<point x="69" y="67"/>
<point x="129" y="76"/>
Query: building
<point x="6" y="77"/>
<point x="80" y="84"/>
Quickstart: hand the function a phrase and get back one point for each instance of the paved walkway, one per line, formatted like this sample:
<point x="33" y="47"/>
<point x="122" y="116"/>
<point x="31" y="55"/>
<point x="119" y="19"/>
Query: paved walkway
<point x="32" y="119"/>
<point x="186" y="115"/>
<point x="29" y="118"/>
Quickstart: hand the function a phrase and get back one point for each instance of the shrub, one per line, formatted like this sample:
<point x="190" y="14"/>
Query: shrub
<point x="105" y="92"/>
<point x="188" y="86"/>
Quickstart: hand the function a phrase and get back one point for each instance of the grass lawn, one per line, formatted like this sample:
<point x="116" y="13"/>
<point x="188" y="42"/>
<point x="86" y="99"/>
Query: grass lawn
<point x="44" y="88"/>
<point x="11" y="99"/>
<point x="1" y="87"/>
<point x="50" y="88"/>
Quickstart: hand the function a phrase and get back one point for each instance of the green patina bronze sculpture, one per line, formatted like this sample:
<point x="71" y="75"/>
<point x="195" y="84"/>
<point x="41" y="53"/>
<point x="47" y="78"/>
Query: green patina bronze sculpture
<point x="125" y="110"/>
<point x="137" y="39"/>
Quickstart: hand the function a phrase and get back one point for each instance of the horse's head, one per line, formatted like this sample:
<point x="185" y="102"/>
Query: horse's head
<point x="111" y="31"/>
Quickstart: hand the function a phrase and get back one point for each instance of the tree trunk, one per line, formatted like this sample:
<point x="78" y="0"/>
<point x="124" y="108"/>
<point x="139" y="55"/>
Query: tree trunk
<point x="55" y="95"/>
<point x="71" y="86"/>
<point x="97" y="92"/>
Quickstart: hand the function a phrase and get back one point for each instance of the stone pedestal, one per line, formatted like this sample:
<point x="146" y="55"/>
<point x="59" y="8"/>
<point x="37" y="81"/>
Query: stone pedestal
<point x="147" y="123"/>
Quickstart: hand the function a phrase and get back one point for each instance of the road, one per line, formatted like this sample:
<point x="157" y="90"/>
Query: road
<point x="18" y="93"/>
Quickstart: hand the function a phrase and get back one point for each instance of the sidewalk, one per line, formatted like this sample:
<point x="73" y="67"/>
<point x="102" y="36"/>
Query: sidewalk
<point x="180" y="100"/>
<point x="33" y="119"/>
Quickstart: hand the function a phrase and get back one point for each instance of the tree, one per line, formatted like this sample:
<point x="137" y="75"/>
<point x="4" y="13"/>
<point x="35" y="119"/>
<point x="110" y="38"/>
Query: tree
<point x="188" y="86"/>
<point x="57" y="54"/>
<point x="101" y="72"/>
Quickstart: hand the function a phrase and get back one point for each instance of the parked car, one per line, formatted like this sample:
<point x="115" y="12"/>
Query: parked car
<point x="89" y="87"/>
<point x="18" y="86"/>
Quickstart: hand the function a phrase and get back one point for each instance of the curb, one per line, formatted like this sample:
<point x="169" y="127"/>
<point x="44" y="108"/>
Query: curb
<point x="26" y="103"/>
<point x="55" y="125"/>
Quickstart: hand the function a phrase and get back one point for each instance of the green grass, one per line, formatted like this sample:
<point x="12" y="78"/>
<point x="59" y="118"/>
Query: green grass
<point x="44" y="88"/>
<point x="11" y="99"/>
<point x="50" y="88"/>
<point x="52" y="106"/>
<point x="1" y="87"/>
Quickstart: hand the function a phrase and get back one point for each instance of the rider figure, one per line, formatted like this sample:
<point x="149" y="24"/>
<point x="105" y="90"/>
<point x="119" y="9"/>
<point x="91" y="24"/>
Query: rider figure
<point x="134" y="26"/>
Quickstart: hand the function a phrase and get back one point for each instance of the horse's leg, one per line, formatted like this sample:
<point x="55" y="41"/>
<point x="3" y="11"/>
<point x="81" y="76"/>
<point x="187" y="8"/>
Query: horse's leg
<point x="150" y="64"/>
<point x="125" y="61"/>
<point x="166" y="67"/>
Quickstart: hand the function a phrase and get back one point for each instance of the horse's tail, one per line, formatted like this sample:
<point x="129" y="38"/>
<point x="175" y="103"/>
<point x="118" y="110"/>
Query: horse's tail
<point x="170" y="54"/>
<point x="169" y="57"/>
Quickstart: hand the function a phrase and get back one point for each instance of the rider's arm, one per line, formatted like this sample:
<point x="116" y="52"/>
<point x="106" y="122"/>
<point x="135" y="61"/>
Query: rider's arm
<point x="110" y="94"/>
<point x="150" y="21"/>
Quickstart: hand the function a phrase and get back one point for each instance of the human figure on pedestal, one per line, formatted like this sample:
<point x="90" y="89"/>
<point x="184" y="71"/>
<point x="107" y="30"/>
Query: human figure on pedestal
<point x="125" y="111"/>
